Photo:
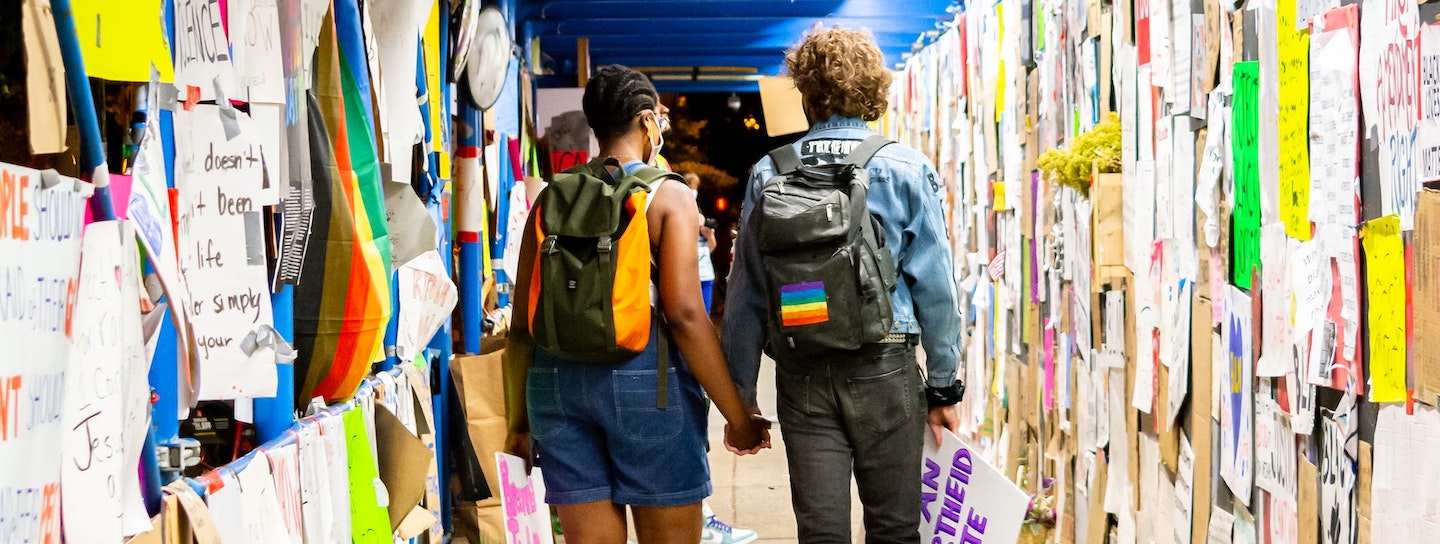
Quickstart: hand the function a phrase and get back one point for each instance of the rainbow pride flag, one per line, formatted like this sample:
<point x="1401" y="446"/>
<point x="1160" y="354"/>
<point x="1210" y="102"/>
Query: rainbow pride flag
<point x="803" y="304"/>
<point x="342" y="304"/>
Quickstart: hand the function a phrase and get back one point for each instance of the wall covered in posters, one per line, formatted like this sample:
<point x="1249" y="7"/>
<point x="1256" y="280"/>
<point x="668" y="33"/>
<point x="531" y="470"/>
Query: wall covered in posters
<point x="1273" y="291"/>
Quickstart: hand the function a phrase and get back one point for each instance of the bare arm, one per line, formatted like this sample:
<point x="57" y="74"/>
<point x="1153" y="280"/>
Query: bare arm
<point x="674" y="212"/>
<point x="519" y="347"/>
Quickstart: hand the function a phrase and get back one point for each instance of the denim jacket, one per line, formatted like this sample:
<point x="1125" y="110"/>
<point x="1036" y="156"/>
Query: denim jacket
<point x="904" y="193"/>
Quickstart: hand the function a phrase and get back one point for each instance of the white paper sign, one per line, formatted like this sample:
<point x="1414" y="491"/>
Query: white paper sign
<point x="222" y="253"/>
<point x="202" y="52"/>
<point x="106" y="405"/>
<point x="963" y="499"/>
<point x="39" y="278"/>
<point x="427" y="296"/>
<point x="527" y="520"/>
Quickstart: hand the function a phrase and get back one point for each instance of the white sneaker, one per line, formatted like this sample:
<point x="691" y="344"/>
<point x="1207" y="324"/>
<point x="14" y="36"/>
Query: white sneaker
<point x="719" y="532"/>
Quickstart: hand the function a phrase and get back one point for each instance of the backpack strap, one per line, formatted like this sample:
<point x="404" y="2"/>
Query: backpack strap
<point x="653" y="177"/>
<point x="867" y="149"/>
<point x="786" y="159"/>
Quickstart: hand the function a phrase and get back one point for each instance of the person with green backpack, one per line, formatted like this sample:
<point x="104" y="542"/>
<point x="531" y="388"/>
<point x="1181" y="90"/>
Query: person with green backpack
<point x="610" y="345"/>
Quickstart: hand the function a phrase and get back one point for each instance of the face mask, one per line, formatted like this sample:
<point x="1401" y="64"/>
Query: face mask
<point x="655" y="146"/>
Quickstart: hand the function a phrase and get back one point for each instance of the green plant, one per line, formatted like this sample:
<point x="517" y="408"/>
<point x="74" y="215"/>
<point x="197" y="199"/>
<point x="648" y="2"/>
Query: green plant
<point x="1096" y="149"/>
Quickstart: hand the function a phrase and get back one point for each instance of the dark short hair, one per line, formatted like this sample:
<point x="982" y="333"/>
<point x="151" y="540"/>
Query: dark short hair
<point x="614" y="95"/>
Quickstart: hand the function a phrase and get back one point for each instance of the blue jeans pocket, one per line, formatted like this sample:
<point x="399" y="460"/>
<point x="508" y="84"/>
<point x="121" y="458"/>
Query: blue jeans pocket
<point x="635" y="398"/>
<point x="886" y="400"/>
<point x="542" y="400"/>
<point x="793" y="392"/>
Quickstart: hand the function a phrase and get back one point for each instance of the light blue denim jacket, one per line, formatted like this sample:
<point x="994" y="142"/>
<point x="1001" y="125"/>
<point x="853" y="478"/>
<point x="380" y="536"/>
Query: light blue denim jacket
<point x="904" y="193"/>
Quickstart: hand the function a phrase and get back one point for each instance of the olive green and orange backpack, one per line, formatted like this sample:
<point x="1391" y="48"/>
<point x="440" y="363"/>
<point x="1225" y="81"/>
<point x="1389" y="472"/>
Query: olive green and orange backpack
<point x="590" y="287"/>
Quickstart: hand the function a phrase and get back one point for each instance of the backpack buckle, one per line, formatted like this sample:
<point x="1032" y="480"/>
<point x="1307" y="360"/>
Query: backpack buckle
<point x="548" y="246"/>
<point x="604" y="244"/>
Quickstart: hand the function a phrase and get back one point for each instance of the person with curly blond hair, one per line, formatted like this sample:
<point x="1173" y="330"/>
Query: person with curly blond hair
<point x="862" y="411"/>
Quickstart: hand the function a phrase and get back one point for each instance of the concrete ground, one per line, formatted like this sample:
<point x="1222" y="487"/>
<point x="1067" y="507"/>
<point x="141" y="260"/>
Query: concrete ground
<point x="753" y="492"/>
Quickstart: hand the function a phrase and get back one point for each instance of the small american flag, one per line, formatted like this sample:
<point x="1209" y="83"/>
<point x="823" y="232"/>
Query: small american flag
<point x="997" y="266"/>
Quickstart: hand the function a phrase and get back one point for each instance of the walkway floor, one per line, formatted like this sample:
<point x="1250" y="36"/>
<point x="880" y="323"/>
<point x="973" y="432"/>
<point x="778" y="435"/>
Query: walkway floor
<point x="753" y="492"/>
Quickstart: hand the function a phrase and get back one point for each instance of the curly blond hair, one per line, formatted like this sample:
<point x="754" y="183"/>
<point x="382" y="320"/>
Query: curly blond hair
<point x="840" y="72"/>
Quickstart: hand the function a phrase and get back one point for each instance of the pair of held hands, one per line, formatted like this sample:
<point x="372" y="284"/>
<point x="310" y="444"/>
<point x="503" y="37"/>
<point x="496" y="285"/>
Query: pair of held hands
<point x="756" y="434"/>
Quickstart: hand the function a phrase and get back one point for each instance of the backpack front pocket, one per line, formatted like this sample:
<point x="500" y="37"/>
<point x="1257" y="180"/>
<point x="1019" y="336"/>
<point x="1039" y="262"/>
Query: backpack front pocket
<point x="816" y="300"/>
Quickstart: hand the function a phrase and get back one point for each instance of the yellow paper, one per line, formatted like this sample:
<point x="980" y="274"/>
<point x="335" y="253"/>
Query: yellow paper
<point x="369" y="522"/>
<point x="120" y="40"/>
<point x="1385" y="276"/>
<point x="999" y="188"/>
<point x="433" y="70"/>
<point x="1294" y="121"/>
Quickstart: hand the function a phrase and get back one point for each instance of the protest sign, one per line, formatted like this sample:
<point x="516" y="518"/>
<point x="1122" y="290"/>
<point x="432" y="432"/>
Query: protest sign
<point x="527" y="521"/>
<point x="965" y="500"/>
<point x="219" y="173"/>
<point x="107" y="393"/>
<point x="40" y="238"/>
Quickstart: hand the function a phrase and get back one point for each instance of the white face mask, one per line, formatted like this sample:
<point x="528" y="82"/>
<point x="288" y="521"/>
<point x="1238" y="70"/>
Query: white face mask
<point x="655" y="146"/>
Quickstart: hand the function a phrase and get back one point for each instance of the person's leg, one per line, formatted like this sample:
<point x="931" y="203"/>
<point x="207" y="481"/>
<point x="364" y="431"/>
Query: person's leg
<point x="884" y="403"/>
<point x="667" y="524"/>
<point x="599" y="522"/>
<point x="819" y="457"/>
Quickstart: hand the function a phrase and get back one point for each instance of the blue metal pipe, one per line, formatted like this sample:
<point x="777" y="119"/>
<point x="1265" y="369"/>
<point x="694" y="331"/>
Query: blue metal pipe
<point x="275" y="415"/>
<point x="82" y="106"/>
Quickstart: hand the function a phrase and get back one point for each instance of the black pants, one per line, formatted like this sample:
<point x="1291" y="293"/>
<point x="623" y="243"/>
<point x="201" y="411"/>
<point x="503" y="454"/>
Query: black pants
<point x="862" y="411"/>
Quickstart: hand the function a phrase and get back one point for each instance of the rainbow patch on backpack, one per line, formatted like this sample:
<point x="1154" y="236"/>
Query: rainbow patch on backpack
<point x="803" y="304"/>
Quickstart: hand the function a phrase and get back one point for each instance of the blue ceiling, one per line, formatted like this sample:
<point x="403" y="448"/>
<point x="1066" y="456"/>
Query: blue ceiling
<point x="710" y="45"/>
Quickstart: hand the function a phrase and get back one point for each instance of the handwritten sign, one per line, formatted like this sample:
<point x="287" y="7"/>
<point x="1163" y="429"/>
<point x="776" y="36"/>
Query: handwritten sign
<point x="963" y="499"/>
<point x="107" y="391"/>
<point x="1337" y="482"/>
<point x="527" y="521"/>
<point x="1334" y="128"/>
<point x="285" y="468"/>
<point x="1237" y="406"/>
<point x="222" y="252"/>
<point x="1294" y="70"/>
<point x="336" y="452"/>
<point x="1389" y="76"/>
<point x="315" y="507"/>
<point x="1245" y="134"/>
<point x="202" y="52"/>
<point x="39" y="279"/>
<point x="1274" y="451"/>
<point x="427" y="296"/>
<point x="264" y="521"/>
<point x="1385" y="285"/>
<point x="255" y="26"/>
<point x="1275" y="302"/>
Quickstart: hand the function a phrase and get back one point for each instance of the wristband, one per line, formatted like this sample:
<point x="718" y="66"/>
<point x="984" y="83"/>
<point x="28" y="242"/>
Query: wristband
<point x="951" y="395"/>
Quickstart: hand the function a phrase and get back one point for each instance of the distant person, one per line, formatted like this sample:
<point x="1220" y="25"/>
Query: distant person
<point x="862" y="410"/>
<point x="608" y="435"/>
<point x="706" y="244"/>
